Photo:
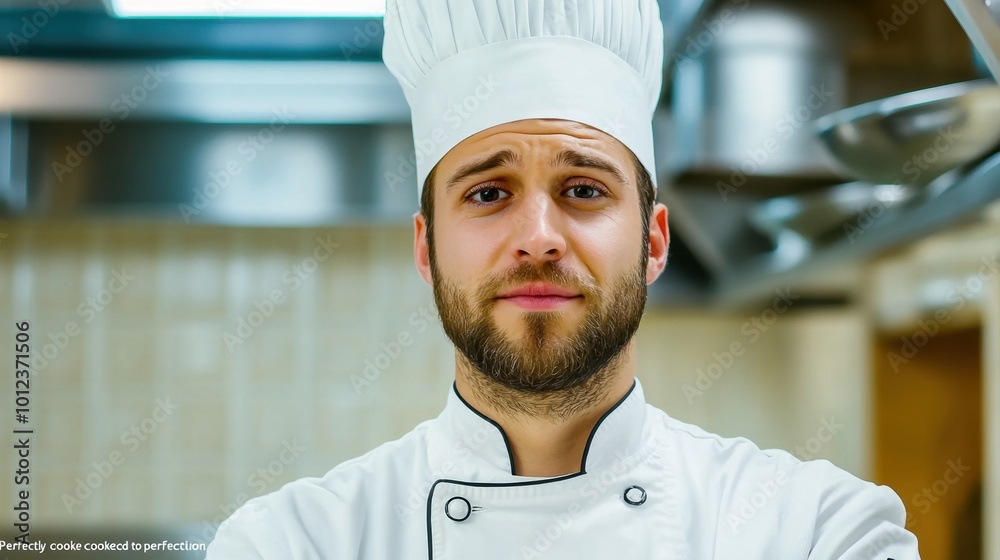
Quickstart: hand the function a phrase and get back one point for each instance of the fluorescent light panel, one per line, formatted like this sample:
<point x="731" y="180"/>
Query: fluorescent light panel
<point x="248" y="8"/>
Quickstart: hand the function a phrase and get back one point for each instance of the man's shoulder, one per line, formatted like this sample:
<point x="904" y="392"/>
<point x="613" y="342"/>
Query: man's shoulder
<point x="744" y="479"/>
<point x="699" y="442"/>
<point x="741" y="461"/>
<point x="821" y="507"/>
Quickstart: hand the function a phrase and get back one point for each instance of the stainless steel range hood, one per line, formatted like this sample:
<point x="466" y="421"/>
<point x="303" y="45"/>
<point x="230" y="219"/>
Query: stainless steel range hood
<point x="220" y="91"/>
<point x="233" y="142"/>
<point x="275" y="174"/>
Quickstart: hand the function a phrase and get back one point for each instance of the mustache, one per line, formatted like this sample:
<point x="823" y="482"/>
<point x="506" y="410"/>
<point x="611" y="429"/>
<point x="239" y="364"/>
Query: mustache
<point x="550" y="272"/>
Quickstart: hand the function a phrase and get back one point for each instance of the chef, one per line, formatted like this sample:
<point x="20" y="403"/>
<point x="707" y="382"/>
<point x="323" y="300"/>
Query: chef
<point x="539" y="234"/>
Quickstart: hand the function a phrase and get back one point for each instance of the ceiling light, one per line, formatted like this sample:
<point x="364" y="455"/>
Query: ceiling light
<point x="247" y="8"/>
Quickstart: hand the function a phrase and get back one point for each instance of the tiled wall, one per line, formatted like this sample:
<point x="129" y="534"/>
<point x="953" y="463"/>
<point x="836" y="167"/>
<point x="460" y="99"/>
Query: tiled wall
<point x="212" y="418"/>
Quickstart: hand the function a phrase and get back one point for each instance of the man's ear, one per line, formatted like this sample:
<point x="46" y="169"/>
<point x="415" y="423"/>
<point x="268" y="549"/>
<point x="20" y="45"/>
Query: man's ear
<point x="421" y="248"/>
<point x="659" y="243"/>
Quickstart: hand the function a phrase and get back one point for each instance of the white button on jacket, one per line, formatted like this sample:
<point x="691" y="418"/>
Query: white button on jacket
<point x="649" y="487"/>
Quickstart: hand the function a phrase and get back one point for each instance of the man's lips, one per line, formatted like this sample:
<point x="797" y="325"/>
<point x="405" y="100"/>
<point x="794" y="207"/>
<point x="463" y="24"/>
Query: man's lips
<point x="539" y="296"/>
<point x="539" y="303"/>
<point x="539" y="290"/>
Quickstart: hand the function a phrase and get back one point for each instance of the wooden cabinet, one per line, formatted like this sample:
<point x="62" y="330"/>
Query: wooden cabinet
<point x="929" y="434"/>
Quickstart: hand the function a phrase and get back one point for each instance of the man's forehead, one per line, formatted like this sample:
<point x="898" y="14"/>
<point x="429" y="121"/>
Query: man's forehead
<point x="562" y="142"/>
<point x="541" y="128"/>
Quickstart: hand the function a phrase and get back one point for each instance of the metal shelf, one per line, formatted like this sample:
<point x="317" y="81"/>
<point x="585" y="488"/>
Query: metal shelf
<point x="756" y="280"/>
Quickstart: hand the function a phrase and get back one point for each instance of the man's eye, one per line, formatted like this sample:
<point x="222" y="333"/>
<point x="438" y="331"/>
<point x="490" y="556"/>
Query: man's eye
<point x="487" y="195"/>
<point x="585" y="191"/>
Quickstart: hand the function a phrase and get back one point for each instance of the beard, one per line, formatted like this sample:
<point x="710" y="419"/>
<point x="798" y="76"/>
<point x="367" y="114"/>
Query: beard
<point x="542" y="372"/>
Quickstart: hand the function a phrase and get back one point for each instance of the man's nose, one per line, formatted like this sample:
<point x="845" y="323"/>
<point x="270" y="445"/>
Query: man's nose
<point x="537" y="232"/>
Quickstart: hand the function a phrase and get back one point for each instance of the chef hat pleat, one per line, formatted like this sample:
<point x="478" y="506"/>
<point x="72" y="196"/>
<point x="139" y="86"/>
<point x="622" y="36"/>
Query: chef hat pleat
<point x="469" y="65"/>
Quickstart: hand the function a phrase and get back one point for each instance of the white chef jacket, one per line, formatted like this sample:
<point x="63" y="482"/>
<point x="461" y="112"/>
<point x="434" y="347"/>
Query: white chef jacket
<point x="649" y="487"/>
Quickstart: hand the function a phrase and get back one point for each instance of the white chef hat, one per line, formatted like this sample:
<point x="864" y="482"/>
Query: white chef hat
<point x="468" y="65"/>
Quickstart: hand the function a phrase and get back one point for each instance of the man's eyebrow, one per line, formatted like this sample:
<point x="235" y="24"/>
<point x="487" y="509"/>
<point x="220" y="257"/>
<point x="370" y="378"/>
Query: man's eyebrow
<point x="503" y="158"/>
<point x="573" y="158"/>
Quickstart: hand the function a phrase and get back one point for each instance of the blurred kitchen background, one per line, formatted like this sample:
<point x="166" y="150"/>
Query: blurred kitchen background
<point x="206" y="219"/>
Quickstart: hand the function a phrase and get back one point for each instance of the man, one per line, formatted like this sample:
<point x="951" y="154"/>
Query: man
<point x="538" y="233"/>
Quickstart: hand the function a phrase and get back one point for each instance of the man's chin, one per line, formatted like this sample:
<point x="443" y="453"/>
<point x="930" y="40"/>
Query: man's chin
<point x="551" y="334"/>
<point x="511" y="317"/>
<point x="541" y="384"/>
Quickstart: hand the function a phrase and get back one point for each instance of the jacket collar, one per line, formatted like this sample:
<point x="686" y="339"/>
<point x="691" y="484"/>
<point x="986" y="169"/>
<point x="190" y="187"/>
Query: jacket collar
<point x="481" y="447"/>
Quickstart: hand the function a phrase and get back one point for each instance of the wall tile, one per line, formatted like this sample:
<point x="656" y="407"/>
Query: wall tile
<point x="63" y="498"/>
<point x="132" y="356"/>
<point x="57" y="257"/>
<point x="193" y="265"/>
<point x="337" y="353"/>
<point x="61" y="343"/>
<point x="6" y="274"/>
<point x="198" y="358"/>
<point x="58" y="418"/>
<point x="271" y="421"/>
<point x="276" y="353"/>
<point x="133" y="259"/>
<point x="130" y="495"/>
<point x="199" y="494"/>
<point x="133" y="427"/>
<point x="198" y="434"/>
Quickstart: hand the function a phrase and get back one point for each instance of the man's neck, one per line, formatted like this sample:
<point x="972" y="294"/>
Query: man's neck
<point x="547" y="433"/>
